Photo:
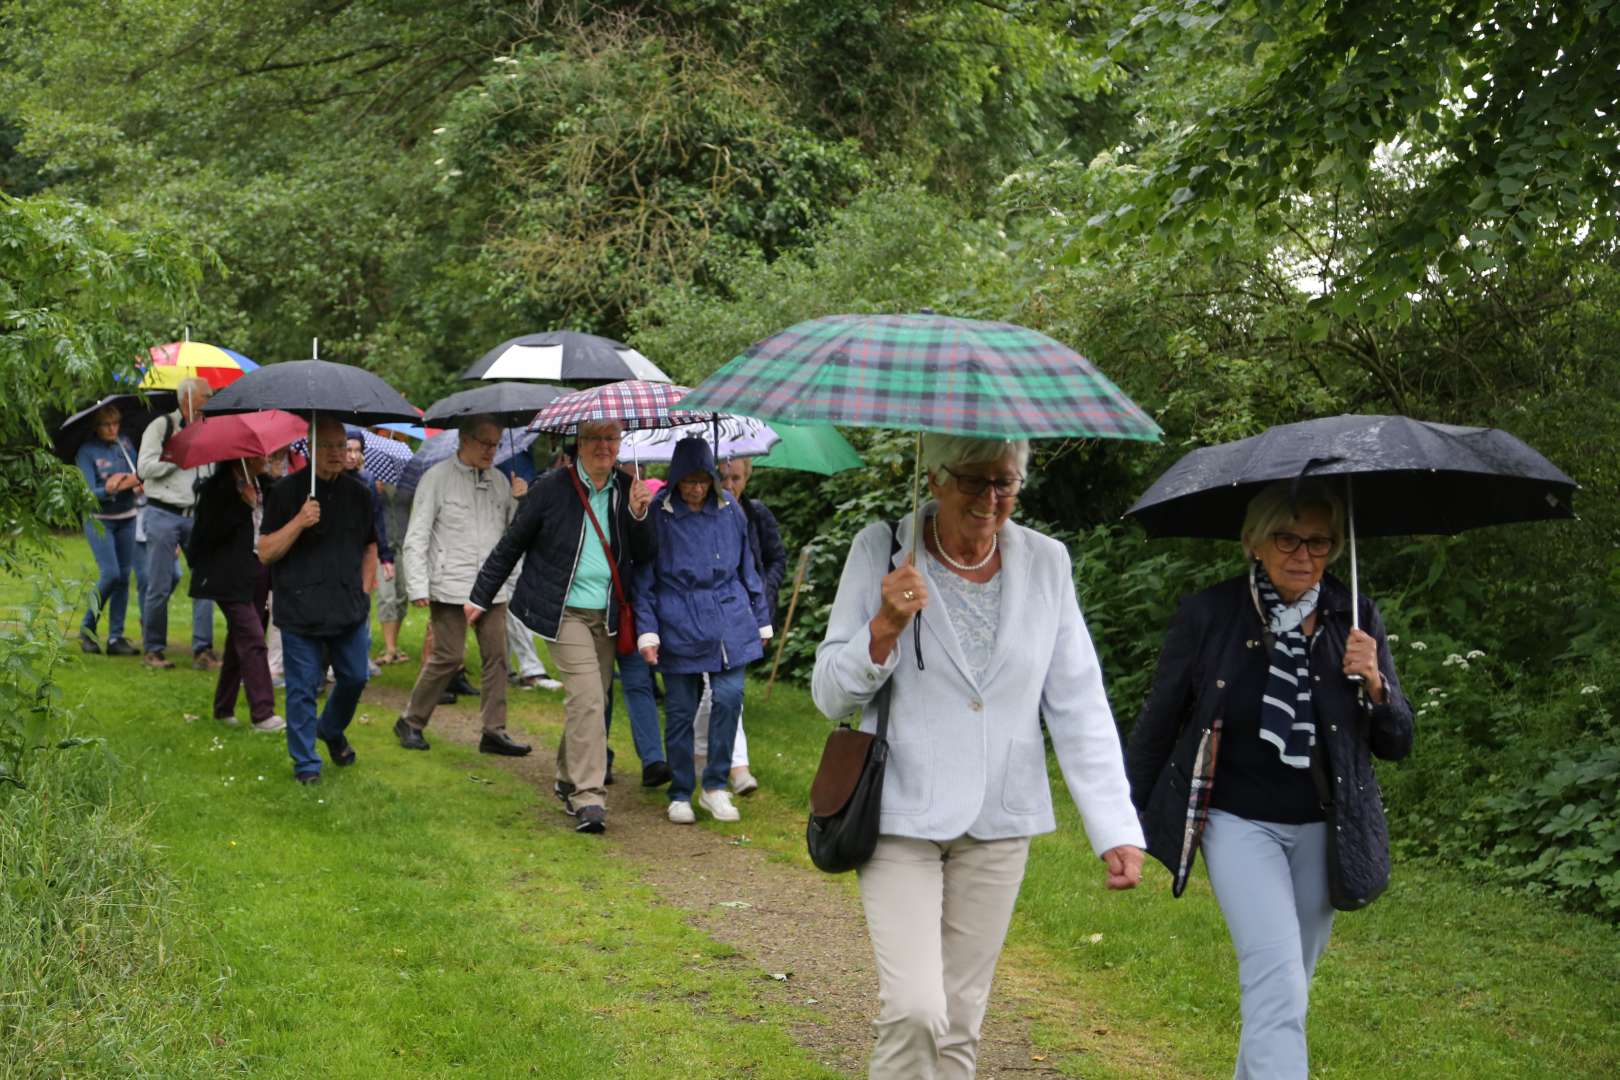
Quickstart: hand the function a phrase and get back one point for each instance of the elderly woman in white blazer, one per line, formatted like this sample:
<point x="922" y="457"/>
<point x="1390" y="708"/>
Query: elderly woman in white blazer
<point x="1003" y="646"/>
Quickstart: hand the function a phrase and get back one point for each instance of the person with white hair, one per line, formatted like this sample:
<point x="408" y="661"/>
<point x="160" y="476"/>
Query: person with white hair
<point x="992" y="605"/>
<point x="171" y="502"/>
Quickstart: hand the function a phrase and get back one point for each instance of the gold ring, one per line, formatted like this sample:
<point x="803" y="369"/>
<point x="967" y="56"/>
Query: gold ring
<point x="909" y="595"/>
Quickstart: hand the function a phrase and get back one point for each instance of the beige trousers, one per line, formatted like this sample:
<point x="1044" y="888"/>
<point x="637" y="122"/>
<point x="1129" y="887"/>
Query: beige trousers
<point x="937" y="914"/>
<point x="449" y="625"/>
<point x="583" y="655"/>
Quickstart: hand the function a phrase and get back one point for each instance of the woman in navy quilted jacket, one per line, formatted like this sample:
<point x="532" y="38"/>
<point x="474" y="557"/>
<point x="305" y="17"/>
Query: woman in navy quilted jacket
<point x="1252" y="718"/>
<point x="700" y="610"/>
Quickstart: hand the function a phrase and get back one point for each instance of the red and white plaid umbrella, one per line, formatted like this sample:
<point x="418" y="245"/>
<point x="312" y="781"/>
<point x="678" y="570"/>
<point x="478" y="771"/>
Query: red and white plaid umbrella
<point x="635" y="403"/>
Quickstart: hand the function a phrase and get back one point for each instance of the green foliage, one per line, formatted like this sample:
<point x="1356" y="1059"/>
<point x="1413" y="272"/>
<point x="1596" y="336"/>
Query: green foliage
<point x="79" y="298"/>
<point x="31" y="651"/>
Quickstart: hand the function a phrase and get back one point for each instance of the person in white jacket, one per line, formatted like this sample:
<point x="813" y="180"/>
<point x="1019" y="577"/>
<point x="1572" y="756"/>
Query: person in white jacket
<point x="1001" y="646"/>
<point x="462" y="507"/>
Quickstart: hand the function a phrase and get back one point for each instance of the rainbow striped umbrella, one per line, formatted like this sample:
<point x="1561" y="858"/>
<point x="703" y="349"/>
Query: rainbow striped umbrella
<point x="184" y="359"/>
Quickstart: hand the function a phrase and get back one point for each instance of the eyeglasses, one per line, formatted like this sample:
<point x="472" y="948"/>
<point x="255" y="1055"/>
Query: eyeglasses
<point x="583" y="439"/>
<point x="1007" y="487"/>
<point x="487" y="444"/>
<point x="1316" y="546"/>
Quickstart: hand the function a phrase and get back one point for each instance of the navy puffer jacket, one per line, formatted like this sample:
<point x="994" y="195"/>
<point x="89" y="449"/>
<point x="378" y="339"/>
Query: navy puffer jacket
<point x="1216" y="631"/>
<point x="700" y="593"/>
<point x="547" y="534"/>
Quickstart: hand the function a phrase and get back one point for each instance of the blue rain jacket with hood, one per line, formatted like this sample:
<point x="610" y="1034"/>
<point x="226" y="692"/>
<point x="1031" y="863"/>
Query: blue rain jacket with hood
<point x="700" y="593"/>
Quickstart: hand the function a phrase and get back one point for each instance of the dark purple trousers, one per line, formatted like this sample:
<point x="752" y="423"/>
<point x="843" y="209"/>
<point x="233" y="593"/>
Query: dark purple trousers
<point x="246" y="663"/>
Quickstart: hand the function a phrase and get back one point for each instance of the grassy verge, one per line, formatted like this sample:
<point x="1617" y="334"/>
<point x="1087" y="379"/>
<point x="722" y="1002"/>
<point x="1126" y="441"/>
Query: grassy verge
<point x="420" y="917"/>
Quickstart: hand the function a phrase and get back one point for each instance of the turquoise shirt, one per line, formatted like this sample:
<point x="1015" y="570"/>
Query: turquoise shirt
<point x="593" y="580"/>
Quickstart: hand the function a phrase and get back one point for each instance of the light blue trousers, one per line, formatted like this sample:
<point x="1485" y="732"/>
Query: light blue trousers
<point x="1271" y="882"/>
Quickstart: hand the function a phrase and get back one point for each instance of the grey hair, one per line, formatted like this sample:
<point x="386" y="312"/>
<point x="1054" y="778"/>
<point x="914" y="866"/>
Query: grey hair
<point x="469" y="424"/>
<point x="192" y="387"/>
<point x="1280" y="503"/>
<point x="940" y="451"/>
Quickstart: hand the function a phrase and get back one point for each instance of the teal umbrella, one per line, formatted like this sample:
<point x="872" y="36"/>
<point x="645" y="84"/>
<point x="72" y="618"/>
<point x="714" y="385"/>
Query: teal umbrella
<point x="816" y="448"/>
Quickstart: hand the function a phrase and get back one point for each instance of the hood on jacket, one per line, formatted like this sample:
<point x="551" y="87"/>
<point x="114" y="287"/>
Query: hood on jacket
<point x="692" y="454"/>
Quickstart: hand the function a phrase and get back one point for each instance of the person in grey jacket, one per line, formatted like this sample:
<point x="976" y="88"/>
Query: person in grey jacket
<point x="462" y="507"/>
<point x="1250" y="699"/>
<point x="171" y="501"/>
<point x="992" y="605"/>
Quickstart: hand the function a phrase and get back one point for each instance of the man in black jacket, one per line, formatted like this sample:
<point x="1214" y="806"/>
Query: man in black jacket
<point x="322" y="554"/>
<point x="569" y="593"/>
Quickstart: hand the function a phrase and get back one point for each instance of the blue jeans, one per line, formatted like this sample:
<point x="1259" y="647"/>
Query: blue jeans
<point x="681" y="696"/>
<point x="163" y="531"/>
<point x="303" y="662"/>
<point x="636" y="677"/>
<point x="113" y="545"/>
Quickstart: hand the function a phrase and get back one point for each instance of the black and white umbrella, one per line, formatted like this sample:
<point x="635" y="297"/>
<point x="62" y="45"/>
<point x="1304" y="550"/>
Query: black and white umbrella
<point x="564" y="356"/>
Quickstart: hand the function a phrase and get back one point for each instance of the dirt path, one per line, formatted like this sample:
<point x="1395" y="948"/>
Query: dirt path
<point x="803" y="924"/>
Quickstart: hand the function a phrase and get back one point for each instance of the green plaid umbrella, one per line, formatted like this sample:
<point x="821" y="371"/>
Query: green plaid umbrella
<point x="924" y="373"/>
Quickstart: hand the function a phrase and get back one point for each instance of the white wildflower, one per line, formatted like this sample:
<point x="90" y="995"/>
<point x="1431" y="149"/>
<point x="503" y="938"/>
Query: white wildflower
<point x="1476" y="654"/>
<point x="1434" y="691"/>
<point x="1589" y="690"/>
<point x="453" y="172"/>
<point x="1393" y="639"/>
<point x="439" y="130"/>
<point x="1419" y="646"/>
<point x="1454" y="659"/>
<point x="438" y="161"/>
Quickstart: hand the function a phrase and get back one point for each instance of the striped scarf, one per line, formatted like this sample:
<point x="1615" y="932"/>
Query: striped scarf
<point x="1285" y="708"/>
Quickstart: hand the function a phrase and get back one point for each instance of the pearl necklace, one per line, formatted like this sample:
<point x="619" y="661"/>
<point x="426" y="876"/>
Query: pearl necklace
<point x="952" y="563"/>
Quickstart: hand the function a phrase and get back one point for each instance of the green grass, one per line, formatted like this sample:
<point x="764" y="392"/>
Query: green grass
<point x="405" y="919"/>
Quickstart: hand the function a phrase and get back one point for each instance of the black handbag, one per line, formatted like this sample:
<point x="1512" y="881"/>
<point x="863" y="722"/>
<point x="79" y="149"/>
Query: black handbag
<point x="847" y="793"/>
<point x="1344" y="893"/>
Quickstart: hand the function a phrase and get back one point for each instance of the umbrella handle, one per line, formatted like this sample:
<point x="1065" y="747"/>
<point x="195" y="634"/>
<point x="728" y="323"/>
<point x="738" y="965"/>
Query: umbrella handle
<point x="1355" y="585"/>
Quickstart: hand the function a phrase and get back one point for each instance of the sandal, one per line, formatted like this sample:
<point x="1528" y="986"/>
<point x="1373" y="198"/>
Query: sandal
<point x="395" y="657"/>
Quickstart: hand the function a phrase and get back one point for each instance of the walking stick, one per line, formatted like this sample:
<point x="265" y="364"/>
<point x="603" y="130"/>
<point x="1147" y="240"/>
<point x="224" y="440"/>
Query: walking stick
<point x="787" y="623"/>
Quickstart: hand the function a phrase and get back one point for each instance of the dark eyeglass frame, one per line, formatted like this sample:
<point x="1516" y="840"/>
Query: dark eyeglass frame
<point x="1007" y="488"/>
<point x="1316" y="547"/>
<point x="485" y="443"/>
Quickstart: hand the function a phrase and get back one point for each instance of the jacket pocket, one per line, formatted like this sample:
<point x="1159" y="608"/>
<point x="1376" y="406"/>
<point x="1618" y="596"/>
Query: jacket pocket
<point x="1024" y="789"/>
<point x="908" y="779"/>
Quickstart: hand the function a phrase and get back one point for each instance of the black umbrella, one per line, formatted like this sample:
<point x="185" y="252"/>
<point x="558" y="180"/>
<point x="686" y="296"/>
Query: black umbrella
<point x="348" y="393"/>
<point x="511" y="404"/>
<point x="136" y="411"/>
<point x="564" y="356"/>
<point x="1410" y="475"/>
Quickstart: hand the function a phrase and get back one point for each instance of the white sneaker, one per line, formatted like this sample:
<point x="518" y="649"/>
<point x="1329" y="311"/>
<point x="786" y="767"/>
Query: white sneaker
<point x="270" y="723"/>
<point x="718" y="803"/>
<point x="549" y="684"/>
<point x="680" y="812"/>
<point x="743" y="782"/>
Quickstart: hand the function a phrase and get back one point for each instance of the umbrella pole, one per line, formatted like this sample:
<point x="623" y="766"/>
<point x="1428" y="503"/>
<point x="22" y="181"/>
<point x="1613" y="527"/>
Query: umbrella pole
<point x="916" y="502"/>
<point x="1355" y="585"/>
<point x="312" y="453"/>
<point x="787" y="622"/>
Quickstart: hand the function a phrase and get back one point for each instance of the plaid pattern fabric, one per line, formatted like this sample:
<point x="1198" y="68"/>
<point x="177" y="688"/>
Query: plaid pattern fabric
<point x="1198" y="792"/>
<point x="924" y="373"/>
<point x="383" y="458"/>
<point x="635" y="403"/>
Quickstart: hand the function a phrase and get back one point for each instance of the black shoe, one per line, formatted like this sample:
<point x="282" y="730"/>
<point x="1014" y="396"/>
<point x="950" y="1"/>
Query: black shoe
<point x="499" y="742"/>
<point x="119" y="647"/>
<point x="460" y="685"/>
<point x="409" y="737"/>
<point x="607" y="777"/>
<point x="88" y="643"/>
<point x="592" y="819"/>
<point x="447" y="698"/>
<point x="307" y="778"/>
<point x="342" y="753"/>
<point x="656" y="775"/>
<point x="565" y="794"/>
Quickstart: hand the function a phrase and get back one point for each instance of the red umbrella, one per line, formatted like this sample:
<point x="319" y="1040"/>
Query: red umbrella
<point x="234" y="435"/>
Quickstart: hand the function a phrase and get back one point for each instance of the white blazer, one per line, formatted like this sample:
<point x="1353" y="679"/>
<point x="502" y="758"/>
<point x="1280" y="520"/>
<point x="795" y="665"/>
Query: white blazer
<point x="966" y="757"/>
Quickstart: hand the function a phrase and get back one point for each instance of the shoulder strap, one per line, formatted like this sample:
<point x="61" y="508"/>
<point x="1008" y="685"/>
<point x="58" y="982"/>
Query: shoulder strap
<point x="607" y="548"/>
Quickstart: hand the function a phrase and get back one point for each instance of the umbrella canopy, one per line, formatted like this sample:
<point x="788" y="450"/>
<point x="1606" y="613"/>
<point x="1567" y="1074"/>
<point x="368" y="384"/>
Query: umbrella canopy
<point x="564" y="356"/>
<point x="635" y="403"/>
<point x="186" y="359"/>
<point x="739" y="436"/>
<point x="924" y="373"/>
<point x="1410" y="476"/>
<point x="817" y="448"/>
<point x="512" y="404"/>
<point x="135" y="412"/>
<point x="348" y="393"/>
<point x="514" y="441"/>
<point x="220" y="438"/>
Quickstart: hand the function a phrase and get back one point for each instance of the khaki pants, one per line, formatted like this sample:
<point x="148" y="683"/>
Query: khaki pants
<point x="937" y="914"/>
<point x="583" y="655"/>
<point x="449" y="624"/>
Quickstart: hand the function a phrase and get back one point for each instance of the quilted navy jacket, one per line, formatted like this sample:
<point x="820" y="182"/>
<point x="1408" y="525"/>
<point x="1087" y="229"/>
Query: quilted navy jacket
<point x="1212" y="635"/>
